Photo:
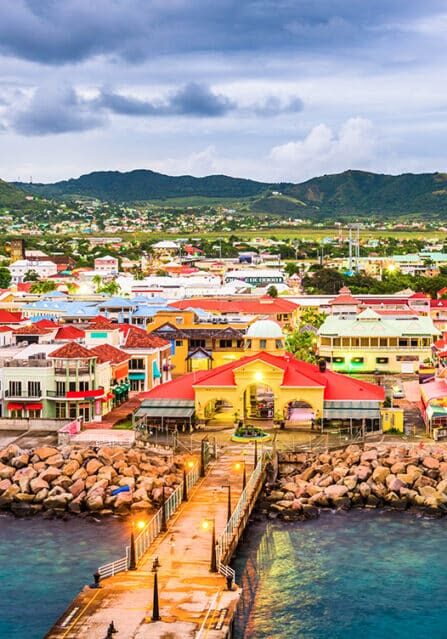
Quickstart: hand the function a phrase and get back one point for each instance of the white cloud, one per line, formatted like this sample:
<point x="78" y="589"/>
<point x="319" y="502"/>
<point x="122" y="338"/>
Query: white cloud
<point x="325" y="151"/>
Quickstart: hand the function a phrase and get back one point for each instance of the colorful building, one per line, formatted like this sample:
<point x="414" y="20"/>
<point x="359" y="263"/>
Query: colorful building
<point x="269" y="384"/>
<point x="371" y="341"/>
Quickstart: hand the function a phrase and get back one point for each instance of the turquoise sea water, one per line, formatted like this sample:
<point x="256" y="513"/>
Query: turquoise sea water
<point x="355" y="575"/>
<point x="43" y="564"/>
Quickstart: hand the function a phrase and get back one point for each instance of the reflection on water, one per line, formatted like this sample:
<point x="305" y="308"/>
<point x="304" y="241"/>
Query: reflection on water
<point x="358" y="575"/>
<point x="44" y="564"/>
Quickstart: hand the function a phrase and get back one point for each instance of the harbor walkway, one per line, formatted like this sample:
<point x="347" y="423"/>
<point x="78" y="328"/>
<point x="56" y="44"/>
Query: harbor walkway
<point x="194" y="602"/>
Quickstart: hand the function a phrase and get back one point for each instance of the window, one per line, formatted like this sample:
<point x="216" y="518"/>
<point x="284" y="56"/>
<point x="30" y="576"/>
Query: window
<point x="34" y="389"/>
<point x="16" y="414"/>
<point x="72" y="411"/>
<point x="179" y="342"/>
<point x="179" y="320"/>
<point x="403" y="342"/>
<point x="325" y="341"/>
<point x="355" y="341"/>
<point x="383" y="341"/>
<point x="60" y="389"/>
<point x="225" y="343"/>
<point x="197" y="343"/>
<point x="414" y="342"/>
<point x="279" y="343"/>
<point x="345" y="341"/>
<point x="15" y="389"/>
<point x="61" y="410"/>
<point x="137" y="364"/>
<point x="364" y="341"/>
<point x="72" y="387"/>
<point x="337" y="341"/>
<point x="240" y="343"/>
<point x="34" y="414"/>
<point x="262" y="343"/>
<point x="374" y="341"/>
<point x="83" y="386"/>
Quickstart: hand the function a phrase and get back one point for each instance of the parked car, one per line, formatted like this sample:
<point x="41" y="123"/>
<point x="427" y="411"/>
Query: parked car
<point x="398" y="393"/>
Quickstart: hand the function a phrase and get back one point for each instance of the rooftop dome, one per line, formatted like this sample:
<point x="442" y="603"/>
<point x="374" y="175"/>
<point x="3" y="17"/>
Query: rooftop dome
<point x="265" y="329"/>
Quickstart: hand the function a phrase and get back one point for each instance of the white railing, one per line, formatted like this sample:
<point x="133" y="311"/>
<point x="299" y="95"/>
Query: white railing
<point x="211" y="607"/>
<point x="226" y="538"/>
<point x="151" y="530"/>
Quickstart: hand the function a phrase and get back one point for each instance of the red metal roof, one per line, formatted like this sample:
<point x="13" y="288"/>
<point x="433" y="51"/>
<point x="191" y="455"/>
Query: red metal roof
<point x="438" y="303"/>
<point x="46" y="323"/>
<point x="69" y="333"/>
<point x="6" y="317"/>
<point x="259" y="306"/>
<point x="296" y="373"/>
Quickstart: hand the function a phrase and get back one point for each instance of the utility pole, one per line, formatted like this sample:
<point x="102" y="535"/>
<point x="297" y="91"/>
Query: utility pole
<point x="350" y="248"/>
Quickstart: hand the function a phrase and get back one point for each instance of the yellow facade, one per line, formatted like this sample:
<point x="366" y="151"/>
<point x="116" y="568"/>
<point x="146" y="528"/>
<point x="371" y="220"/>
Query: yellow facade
<point x="252" y="374"/>
<point x="392" y="419"/>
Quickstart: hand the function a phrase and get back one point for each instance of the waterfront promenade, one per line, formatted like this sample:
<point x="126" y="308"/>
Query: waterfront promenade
<point x="191" y="597"/>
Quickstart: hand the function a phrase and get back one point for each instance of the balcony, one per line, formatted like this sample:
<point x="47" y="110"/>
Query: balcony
<point x="27" y="363"/>
<point x="71" y="372"/>
<point x="23" y="394"/>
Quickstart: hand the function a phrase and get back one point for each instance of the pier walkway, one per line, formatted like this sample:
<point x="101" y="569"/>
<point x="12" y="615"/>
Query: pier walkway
<point x="194" y="602"/>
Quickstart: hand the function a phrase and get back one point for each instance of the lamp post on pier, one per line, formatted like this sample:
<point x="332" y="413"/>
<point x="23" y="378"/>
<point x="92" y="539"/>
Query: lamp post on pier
<point x="155" y="599"/>
<point x="228" y="487"/>
<point x="164" y="524"/>
<point x="241" y="465"/>
<point x="205" y="525"/>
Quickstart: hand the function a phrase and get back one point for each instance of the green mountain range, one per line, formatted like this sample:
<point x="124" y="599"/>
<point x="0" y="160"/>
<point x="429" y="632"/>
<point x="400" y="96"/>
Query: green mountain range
<point x="347" y="194"/>
<point x="11" y="196"/>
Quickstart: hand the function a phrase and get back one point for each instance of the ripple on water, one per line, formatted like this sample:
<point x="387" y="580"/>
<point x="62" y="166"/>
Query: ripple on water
<point x="365" y="575"/>
<point x="44" y="564"/>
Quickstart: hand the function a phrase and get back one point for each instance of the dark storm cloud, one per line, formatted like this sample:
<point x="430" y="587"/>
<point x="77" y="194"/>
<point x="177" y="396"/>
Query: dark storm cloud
<point x="56" y="110"/>
<point x="55" y="32"/>
<point x="192" y="99"/>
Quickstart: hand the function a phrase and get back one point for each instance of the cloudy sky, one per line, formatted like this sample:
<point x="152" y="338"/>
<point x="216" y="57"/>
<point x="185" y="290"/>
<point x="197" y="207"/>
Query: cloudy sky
<point x="267" y="89"/>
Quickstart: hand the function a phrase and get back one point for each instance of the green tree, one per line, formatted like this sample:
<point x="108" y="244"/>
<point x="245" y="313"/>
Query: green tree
<point x="43" y="286"/>
<point x="272" y="291"/>
<point x="97" y="281"/>
<point x="324" y="280"/>
<point x="31" y="276"/>
<point x="303" y="344"/>
<point x="311" y="317"/>
<point x="5" y="277"/>
<point x="111" y="288"/>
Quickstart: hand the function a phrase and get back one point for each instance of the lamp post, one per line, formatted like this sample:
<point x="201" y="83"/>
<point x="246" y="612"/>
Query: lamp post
<point x="255" y="460"/>
<point x="228" y="487"/>
<point x="190" y="466"/>
<point x="164" y="524"/>
<point x="155" y="601"/>
<point x="205" y="526"/>
<point x="202" y="458"/>
<point x="238" y="466"/>
<point x="133" y="555"/>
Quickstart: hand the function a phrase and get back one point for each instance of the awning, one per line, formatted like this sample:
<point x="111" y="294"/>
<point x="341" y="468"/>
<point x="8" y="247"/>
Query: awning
<point x="166" y="408"/>
<point x="155" y="370"/>
<point x="36" y="406"/>
<point x="137" y="376"/>
<point x="351" y="410"/>
<point x="13" y="406"/>
<point x="87" y="394"/>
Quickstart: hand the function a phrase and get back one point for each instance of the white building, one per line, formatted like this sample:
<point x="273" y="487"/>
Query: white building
<point x="43" y="268"/>
<point x="106" y="265"/>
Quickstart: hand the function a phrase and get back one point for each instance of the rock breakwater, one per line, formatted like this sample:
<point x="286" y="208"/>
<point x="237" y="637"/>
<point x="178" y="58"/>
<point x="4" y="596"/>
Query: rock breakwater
<point x="78" y="480"/>
<point x="394" y="476"/>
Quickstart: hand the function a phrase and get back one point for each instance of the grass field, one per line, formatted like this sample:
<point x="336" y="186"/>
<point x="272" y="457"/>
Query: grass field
<point x="278" y="233"/>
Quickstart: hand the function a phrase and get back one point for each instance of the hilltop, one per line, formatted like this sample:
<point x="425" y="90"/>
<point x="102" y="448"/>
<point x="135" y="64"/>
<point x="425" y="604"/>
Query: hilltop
<point x="342" y="195"/>
<point x="11" y="196"/>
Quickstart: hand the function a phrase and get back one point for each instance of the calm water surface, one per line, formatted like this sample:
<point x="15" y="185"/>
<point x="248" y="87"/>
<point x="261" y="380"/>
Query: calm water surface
<point x="356" y="575"/>
<point x="43" y="564"/>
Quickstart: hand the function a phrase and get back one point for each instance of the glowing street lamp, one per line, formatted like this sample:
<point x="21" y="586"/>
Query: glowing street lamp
<point x="241" y="466"/>
<point x="206" y="524"/>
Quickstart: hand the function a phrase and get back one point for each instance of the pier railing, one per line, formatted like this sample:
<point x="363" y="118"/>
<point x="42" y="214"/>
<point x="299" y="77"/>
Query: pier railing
<point x="151" y="530"/>
<point x="232" y="532"/>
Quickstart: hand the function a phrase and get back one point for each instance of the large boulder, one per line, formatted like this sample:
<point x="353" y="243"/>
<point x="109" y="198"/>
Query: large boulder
<point x="430" y="462"/>
<point x="93" y="466"/>
<point x="44" y="452"/>
<point x="336" y="491"/>
<point x="70" y="467"/>
<point x="6" y="472"/>
<point x="380" y="474"/>
<point x="20" y="461"/>
<point x="50" y="474"/>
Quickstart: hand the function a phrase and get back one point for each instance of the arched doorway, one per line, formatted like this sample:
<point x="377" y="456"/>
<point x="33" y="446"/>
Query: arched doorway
<point x="299" y="413"/>
<point x="259" y="402"/>
<point x="219" y="410"/>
